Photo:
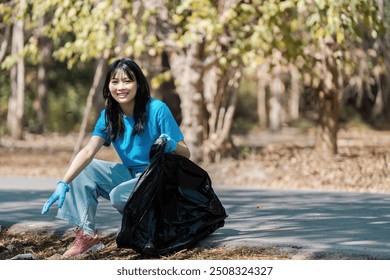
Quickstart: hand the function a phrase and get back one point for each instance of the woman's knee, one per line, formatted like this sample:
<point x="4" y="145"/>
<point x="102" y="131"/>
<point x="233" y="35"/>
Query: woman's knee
<point x="117" y="199"/>
<point x="120" y="194"/>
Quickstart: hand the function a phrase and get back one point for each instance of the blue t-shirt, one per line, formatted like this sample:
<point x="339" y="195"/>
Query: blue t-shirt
<point x="133" y="149"/>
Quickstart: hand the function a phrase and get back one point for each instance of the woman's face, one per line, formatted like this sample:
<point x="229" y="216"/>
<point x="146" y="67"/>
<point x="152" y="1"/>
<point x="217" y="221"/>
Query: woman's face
<point x="122" y="88"/>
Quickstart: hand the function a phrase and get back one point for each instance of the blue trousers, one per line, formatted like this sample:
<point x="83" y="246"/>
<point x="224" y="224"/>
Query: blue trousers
<point x="112" y="181"/>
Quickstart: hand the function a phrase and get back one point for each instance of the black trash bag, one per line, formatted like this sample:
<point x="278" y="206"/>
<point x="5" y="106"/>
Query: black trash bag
<point x="172" y="207"/>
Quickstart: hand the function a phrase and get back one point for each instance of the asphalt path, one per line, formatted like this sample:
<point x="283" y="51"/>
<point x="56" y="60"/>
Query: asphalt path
<point x="306" y="224"/>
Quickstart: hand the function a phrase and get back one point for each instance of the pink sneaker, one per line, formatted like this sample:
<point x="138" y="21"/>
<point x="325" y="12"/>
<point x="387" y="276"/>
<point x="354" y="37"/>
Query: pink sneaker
<point x="82" y="244"/>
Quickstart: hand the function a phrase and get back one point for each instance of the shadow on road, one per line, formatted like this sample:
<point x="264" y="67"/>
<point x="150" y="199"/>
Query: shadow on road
<point x="316" y="222"/>
<point x="324" y="222"/>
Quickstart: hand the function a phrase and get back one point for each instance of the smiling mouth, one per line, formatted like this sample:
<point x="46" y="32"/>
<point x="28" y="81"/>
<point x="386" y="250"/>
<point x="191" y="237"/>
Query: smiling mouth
<point x="122" y="94"/>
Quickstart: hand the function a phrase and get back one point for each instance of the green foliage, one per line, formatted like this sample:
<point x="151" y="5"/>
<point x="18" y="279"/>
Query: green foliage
<point x="87" y="26"/>
<point x="297" y="27"/>
<point x="83" y="30"/>
<point x="281" y="31"/>
<point x="93" y="29"/>
<point x="6" y="11"/>
<point x="223" y="33"/>
<point x="244" y="34"/>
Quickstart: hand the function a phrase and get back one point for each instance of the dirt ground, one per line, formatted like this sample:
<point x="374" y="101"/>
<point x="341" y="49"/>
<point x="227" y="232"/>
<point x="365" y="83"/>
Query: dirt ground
<point x="283" y="160"/>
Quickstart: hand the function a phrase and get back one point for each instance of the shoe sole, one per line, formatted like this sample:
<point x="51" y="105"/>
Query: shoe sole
<point x="93" y="249"/>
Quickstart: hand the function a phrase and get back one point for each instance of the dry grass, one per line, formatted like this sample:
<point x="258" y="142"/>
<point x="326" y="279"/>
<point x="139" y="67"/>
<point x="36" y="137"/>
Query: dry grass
<point x="46" y="246"/>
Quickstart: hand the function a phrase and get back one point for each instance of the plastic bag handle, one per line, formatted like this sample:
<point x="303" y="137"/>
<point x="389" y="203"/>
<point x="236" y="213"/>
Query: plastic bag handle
<point x="157" y="148"/>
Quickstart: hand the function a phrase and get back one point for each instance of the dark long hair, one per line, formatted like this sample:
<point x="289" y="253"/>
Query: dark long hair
<point x="114" y="114"/>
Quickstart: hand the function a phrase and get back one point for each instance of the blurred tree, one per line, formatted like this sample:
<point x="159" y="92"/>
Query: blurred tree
<point x="17" y="75"/>
<point x="208" y="44"/>
<point x="371" y="83"/>
<point x="205" y="41"/>
<point x="44" y="66"/>
<point x="335" y="35"/>
<point x="319" y="41"/>
<point x="5" y="38"/>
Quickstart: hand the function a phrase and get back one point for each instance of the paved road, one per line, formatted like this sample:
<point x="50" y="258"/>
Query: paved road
<point x="303" y="223"/>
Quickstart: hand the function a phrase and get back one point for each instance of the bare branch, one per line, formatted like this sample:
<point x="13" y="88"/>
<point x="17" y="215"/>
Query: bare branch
<point x="5" y="42"/>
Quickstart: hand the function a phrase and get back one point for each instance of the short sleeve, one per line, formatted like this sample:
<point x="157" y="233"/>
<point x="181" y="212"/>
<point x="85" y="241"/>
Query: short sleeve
<point x="100" y="129"/>
<point x="167" y="123"/>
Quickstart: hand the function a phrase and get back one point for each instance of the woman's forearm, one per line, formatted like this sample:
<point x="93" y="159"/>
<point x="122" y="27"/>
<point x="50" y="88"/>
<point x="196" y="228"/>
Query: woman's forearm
<point x="83" y="158"/>
<point x="182" y="149"/>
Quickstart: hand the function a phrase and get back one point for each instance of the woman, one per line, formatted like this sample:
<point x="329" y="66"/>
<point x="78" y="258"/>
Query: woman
<point x="131" y="121"/>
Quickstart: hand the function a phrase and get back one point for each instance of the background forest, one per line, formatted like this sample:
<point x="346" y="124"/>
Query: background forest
<point x="224" y="67"/>
<point x="268" y="93"/>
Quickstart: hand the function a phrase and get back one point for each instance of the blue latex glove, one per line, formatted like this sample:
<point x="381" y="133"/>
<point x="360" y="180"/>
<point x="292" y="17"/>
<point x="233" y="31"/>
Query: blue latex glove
<point x="59" y="194"/>
<point x="170" y="145"/>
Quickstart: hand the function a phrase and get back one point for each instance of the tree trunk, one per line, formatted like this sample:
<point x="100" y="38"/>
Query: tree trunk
<point x="275" y="103"/>
<point x="4" y="42"/>
<point x="97" y="80"/>
<point x="293" y="101"/>
<point x="167" y="91"/>
<point x="188" y="66"/>
<point x="326" y="142"/>
<point x="262" y="81"/>
<point x="220" y="93"/>
<point x="378" y="110"/>
<point x="17" y="75"/>
<point x="40" y="103"/>
<point x="330" y="91"/>
<point x="187" y="71"/>
<point x="380" y="113"/>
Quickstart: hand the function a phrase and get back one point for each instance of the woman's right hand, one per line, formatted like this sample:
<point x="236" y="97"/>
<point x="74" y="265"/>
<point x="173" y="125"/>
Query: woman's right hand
<point x="59" y="194"/>
<point x="170" y="145"/>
